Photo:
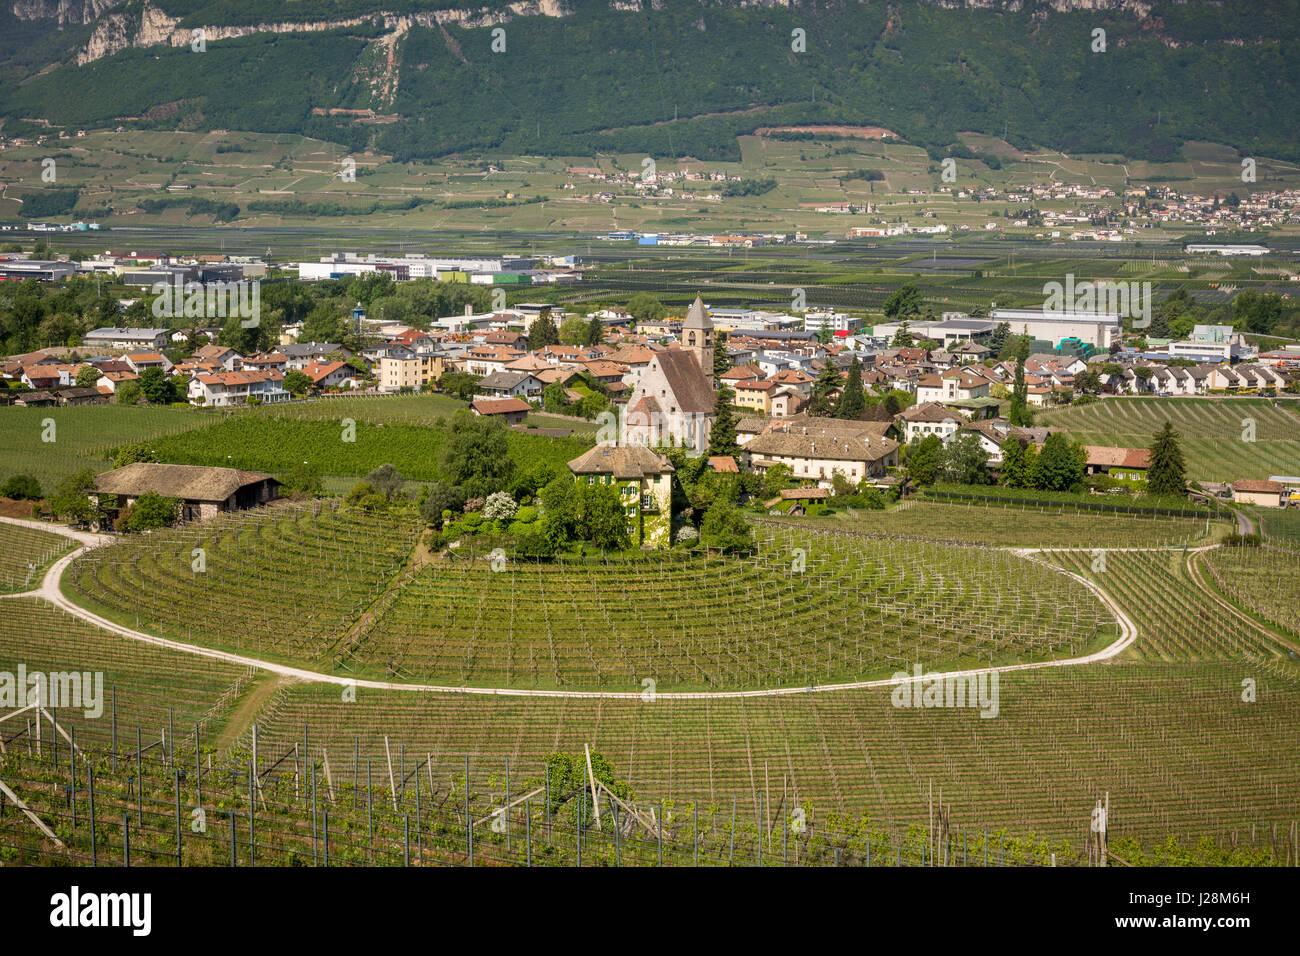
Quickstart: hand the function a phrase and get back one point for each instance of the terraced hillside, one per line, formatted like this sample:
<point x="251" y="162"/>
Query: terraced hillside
<point x="811" y="607"/>
<point x="283" y="582"/>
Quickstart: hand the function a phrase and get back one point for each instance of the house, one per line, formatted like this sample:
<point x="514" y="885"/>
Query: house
<point x="740" y="373"/>
<point x="81" y="396"/>
<point x="956" y="384"/>
<point x="512" y="411"/>
<point x="1123" y="464"/>
<point x="139" y="361"/>
<point x="223" y="389"/>
<point x="723" y="465"/>
<point x="818" y="453"/>
<point x="299" y="355"/>
<point x="201" y="491"/>
<point x="673" y="399"/>
<point x="787" y="401"/>
<point x="644" y="481"/>
<point x="755" y="395"/>
<point x="328" y="374"/>
<point x="114" y="339"/>
<point x="930" y="419"/>
<point x="266" y="362"/>
<point x="113" y="380"/>
<point x="227" y="358"/>
<point x="502" y="384"/>
<point x="1254" y="491"/>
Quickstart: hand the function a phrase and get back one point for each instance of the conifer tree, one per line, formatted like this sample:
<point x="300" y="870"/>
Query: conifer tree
<point x="1167" y="474"/>
<point x="852" y="402"/>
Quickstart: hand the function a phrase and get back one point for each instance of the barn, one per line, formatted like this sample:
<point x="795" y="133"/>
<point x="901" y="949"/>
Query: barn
<point x="201" y="491"/>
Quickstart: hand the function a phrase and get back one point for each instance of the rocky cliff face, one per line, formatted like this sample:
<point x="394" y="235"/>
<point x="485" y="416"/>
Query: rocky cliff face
<point x="63" y="11"/>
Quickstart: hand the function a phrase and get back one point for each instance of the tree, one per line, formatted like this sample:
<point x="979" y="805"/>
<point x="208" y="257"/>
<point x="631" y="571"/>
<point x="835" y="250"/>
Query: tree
<point x="441" y="497"/>
<point x="595" y="331"/>
<point x="303" y="479"/>
<point x="543" y="332"/>
<point x="296" y="382"/>
<point x="924" y="460"/>
<point x="574" y="331"/>
<point x="644" y="307"/>
<point x="725" y="529"/>
<point x="600" y="517"/>
<point x="70" y="501"/>
<point x="386" y="480"/>
<point x="1167" y="474"/>
<point x="903" y="337"/>
<point x="132" y="452"/>
<point x="157" y="387"/>
<point x="722" y="437"/>
<point x="1060" y="465"/>
<point x="853" y="402"/>
<point x="1019" y="413"/>
<point x="460" y="384"/>
<point x="560" y="510"/>
<point x="822" y="401"/>
<point x="151" y="510"/>
<point x="906" y="301"/>
<point x="965" y="462"/>
<point x="87" y="377"/>
<point x="721" y="359"/>
<point x="476" y="455"/>
<point x="1017" y="464"/>
<point x="129" y="393"/>
<point x="998" y="340"/>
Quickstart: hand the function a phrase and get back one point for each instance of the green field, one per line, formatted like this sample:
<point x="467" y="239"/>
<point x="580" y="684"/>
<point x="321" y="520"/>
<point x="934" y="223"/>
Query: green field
<point x="1215" y="433"/>
<point x="1264" y="581"/>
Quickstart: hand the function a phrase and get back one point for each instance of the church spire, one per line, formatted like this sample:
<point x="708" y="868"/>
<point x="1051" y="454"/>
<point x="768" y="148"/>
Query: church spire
<point x="697" y="336"/>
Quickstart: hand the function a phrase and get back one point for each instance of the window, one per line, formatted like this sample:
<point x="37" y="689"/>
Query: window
<point x="591" y="479"/>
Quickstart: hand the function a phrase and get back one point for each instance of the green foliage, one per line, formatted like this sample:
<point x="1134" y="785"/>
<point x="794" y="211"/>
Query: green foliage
<point x="964" y="461"/>
<point x="724" y="529"/>
<point x="600" y="519"/>
<point x="296" y="383"/>
<point x="475" y="455"/>
<point x="442" y="497"/>
<point x="22" y="488"/>
<point x="722" y="436"/>
<point x="1017" y="464"/>
<point x="1166" y="476"/>
<point x="644" y="307"/>
<point x="923" y="460"/>
<point x="460" y="384"/>
<point x="904" y="303"/>
<point x="47" y="203"/>
<point x="822" y="401"/>
<point x="70" y="501"/>
<point x="1060" y="465"/>
<point x="567" y="779"/>
<point x="149" y="512"/>
<point x="386" y="480"/>
<point x="852" y="403"/>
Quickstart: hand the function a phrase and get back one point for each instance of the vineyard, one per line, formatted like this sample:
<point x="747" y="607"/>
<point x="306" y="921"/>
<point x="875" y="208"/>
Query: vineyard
<point x="1279" y="526"/>
<point x="994" y="522"/>
<point x="145" y="688"/>
<point x="1261" y="580"/>
<point x="82" y="436"/>
<point x="25" y="553"/>
<point x="1215" y="434"/>
<point x="264" y="443"/>
<point x="1195" y="775"/>
<point x="1177" y="620"/>
<point x="812" y="607"/>
<point x="284" y="582"/>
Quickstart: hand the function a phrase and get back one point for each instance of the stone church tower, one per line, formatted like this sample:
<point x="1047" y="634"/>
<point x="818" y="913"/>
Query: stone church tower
<point x="697" y="336"/>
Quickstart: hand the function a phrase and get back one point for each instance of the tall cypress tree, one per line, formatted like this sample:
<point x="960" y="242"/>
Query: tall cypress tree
<point x="1019" y="413"/>
<point x="595" y="331"/>
<point x="852" y="403"/>
<point x="543" y="331"/>
<point x="722" y="436"/>
<point x="1167" y="474"/>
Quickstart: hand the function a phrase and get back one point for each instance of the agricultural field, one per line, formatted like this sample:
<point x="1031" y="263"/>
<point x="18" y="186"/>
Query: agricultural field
<point x="284" y="582"/>
<point x="146" y="690"/>
<point x="25" y="553"/>
<point x="278" y="443"/>
<point x="81" y="437"/>
<point x="1279" y="526"/>
<point x="1009" y="524"/>
<point x="1181" y="755"/>
<point x="1177" y="620"/>
<point x="811" y="607"/>
<point x="1222" y="439"/>
<point x="1264" y="581"/>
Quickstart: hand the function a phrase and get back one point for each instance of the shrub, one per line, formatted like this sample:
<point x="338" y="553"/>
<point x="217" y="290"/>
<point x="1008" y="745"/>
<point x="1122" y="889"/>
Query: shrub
<point x="687" y="533"/>
<point x="500" y="506"/>
<point x="22" y="487"/>
<point x="527" y="514"/>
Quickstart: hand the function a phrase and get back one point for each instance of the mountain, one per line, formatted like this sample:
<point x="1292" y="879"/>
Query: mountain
<point x="663" y="77"/>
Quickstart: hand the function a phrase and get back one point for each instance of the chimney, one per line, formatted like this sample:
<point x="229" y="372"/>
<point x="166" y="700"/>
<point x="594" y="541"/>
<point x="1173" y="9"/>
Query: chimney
<point x="469" y="309"/>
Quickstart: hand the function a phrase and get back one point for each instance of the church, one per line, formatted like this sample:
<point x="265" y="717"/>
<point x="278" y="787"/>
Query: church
<point x="672" y="403"/>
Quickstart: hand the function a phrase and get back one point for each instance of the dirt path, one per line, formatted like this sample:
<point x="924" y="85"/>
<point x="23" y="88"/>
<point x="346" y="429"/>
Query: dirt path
<point x="249" y="705"/>
<point x="1195" y="573"/>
